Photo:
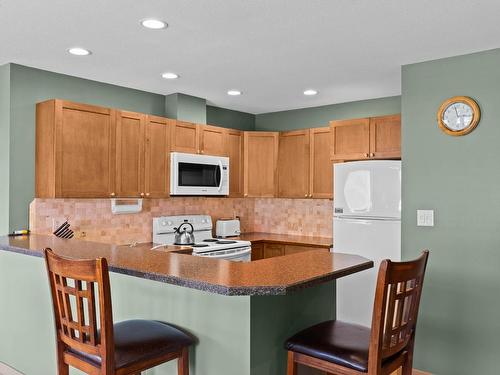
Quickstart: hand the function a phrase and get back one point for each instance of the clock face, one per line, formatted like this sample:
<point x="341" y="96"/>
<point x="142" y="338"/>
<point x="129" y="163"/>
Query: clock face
<point x="458" y="116"/>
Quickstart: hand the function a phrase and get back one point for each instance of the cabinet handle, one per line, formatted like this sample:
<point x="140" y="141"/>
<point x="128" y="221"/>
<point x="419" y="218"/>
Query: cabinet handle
<point x="310" y="195"/>
<point x="142" y="194"/>
<point x="367" y="155"/>
<point x="372" y="154"/>
<point x="245" y="195"/>
<point x="112" y="194"/>
<point x="201" y="151"/>
<point x="306" y="195"/>
<point x="147" y="194"/>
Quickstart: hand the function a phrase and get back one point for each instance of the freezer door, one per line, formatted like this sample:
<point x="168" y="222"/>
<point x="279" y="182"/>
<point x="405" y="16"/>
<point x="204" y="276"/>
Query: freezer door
<point x="368" y="189"/>
<point x="372" y="239"/>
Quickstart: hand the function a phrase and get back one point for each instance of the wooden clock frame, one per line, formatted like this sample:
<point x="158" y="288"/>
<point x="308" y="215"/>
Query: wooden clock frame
<point x="459" y="99"/>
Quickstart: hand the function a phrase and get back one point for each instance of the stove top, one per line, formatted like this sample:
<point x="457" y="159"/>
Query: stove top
<point x="164" y="233"/>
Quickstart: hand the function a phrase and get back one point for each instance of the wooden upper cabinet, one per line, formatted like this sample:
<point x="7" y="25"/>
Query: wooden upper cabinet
<point x="157" y="157"/>
<point x="321" y="180"/>
<point x="74" y="150"/>
<point x="234" y="150"/>
<point x="385" y="137"/>
<point x="294" y="164"/>
<point x="366" y="138"/>
<point x="212" y="140"/>
<point x="185" y="137"/>
<point x="350" y="139"/>
<point x="130" y="141"/>
<point x="260" y="163"/>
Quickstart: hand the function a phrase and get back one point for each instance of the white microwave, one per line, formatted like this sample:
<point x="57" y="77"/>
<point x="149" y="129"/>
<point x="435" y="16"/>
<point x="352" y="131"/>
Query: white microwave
<point x="194" y="174"/>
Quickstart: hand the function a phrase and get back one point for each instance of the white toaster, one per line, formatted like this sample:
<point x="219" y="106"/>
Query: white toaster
<point x="227" y="228"/>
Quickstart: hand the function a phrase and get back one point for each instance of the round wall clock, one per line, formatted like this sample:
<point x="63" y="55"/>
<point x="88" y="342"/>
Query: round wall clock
<point x="458" y="115"/>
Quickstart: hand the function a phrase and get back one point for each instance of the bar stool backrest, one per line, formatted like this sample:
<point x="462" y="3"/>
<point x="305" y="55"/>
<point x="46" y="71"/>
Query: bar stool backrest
<point x="395" y="310"/>
<point x="74" y="285"/>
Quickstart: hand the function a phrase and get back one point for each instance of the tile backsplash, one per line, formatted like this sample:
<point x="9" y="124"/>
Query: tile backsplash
<point x="92" y="219"/>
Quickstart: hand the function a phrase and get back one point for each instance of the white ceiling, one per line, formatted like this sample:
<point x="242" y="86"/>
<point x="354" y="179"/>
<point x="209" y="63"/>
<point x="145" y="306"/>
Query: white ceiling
<point x="270" y="49"/>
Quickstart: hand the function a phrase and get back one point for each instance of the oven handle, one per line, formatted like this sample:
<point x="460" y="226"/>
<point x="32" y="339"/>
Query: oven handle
<point x="244" y="251"/>
<point x="220" y="183"/>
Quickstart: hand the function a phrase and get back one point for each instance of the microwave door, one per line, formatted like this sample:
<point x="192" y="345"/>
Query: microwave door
<point x="198" y="175"/>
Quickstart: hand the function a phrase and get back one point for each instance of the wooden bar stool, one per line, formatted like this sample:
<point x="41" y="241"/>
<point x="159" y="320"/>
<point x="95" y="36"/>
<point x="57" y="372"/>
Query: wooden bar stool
<point x="350" y="349"/>
<point x="127" y="347"/>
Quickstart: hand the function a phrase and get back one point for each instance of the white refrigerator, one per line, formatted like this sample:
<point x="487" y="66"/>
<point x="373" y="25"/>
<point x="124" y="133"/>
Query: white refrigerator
<point x="367" y="222"/>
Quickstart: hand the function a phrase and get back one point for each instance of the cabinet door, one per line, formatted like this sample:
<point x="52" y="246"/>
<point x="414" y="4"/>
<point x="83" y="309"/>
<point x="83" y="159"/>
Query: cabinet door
<point x="185" y="137"/>
<point x="212" y="140"/>
<point x="321" y="181"/>
<point x="294" y="164"/>
<point x="350" y="139"/>
<point x="157" y="155"/>
<point x="272" y="250"/>
<point x="260" y="164"/>
<point x="385" y="137"/>
<point x="85" y="139"/>
<point x="234" y="150"/>
<point x="257" y="251"/>
<point x="129" y="154"/>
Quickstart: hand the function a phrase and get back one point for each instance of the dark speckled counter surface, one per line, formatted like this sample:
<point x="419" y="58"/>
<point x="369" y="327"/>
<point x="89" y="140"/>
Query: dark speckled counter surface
<point x="272" y="276"/>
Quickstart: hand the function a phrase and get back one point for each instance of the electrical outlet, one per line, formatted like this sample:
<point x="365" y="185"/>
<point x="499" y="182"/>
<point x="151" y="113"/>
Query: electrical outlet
<point x="425" y="218"/>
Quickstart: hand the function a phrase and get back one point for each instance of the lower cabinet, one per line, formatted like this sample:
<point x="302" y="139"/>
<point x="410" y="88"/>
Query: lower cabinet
<point x="263" y="250"/>
<point x="272" y="250"/>
<point x="257" y="251"/>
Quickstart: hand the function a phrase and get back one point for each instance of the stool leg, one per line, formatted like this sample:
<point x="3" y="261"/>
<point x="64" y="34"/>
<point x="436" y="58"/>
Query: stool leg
<point x="292" y="365"/>
<point x="183" y="362"/>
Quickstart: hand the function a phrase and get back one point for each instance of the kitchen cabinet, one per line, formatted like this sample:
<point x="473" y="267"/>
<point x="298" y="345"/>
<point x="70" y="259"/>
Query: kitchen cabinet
<point x="130" y="142"/>
<point x="260" y="159"/>
<point x="321" y="175"/>
<point x="272" y="250"/>
<point x="234" y="150"/>
<point x="350" y="139"/>
<point x="185" y="137"/>
<point x="294" y="164"/>
<point x="198" y="139"/>
<point x="304" y="165"/>
<point x="157" y="157"/>
<point x="212" y="140"/>
<point x="385" y="137"/>
<point x="75" y="150"/>
<point x="366" y="138"/>
<point x="257" y="251"/>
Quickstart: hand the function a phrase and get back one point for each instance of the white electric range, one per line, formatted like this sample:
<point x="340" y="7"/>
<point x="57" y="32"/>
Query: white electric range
<point x="205" y="245"/>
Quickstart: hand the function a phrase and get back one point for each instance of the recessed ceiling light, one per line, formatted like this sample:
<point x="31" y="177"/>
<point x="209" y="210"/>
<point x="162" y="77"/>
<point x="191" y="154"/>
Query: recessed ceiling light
<point x="234" y="92"/>
<point x="78" y="51"/>
<point x="310" y="92"/>
<point x="170" y="75"/>
<point x="151" y="23"/>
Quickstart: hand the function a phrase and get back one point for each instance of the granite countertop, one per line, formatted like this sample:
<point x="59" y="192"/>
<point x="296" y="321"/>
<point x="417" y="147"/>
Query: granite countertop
<point x="292" y="239"/>
<point x="272" y="276"/>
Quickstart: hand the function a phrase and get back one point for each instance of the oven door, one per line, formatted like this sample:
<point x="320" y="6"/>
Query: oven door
<point x="242" y="254"/>
<point x="193" y="174"/>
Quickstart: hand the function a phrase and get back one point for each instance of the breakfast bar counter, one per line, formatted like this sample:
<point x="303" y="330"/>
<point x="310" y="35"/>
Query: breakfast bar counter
<point x="169" y="264"/>
<point x="240" y="313"/>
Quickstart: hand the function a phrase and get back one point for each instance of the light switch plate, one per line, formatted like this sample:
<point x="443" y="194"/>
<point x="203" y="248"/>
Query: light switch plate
<point x="425" y="218"/>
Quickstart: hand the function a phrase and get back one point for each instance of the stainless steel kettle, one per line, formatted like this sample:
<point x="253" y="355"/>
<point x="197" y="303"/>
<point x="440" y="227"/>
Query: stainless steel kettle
<point x="184" y="235"/>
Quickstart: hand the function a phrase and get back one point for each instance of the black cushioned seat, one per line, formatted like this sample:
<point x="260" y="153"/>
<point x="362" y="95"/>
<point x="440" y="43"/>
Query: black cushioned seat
<point x="139" y="340"/>
<point x="334" y="341"/>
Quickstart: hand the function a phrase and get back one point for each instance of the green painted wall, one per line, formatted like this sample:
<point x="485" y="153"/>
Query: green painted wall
<point x="4" y="146"/>
<point x="186" y="107"/>
<point x="458" y="177"/>
<point x="320" y="116"/>
<point x="29" y="86"/>
<point x="220" y="323"/>
<point x="229" y="118"/>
